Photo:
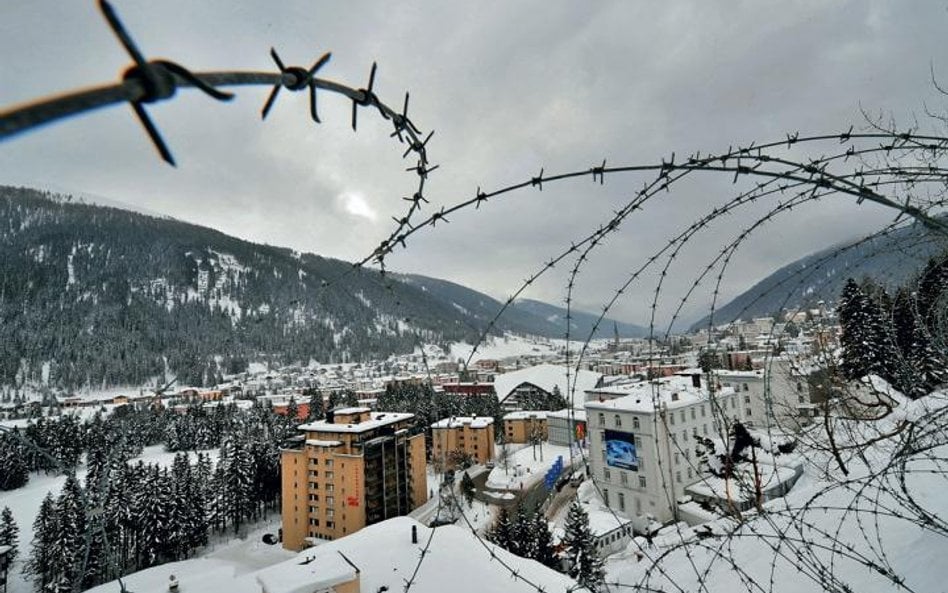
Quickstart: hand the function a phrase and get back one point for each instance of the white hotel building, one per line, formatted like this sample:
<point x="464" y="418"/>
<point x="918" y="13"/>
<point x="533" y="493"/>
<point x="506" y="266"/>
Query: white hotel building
<point x="660" y="418"/>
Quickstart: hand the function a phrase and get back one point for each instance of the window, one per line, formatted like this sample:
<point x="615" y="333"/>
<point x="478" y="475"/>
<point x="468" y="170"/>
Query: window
<point x="329" y="463"/>
<point x="684" y="435"/>
<point x="329" y="501"/>
<point x="605" y="496"/>
<point x="602" y="419"/>
<point x="606" y="475"/>
<point x="682" y="416"/>
<point x="746" y="388"/>
<point x="676" y="458"/>
<point x="329" y="513"/>
<point x="692" y="413"/>
<point x="603" y="454"/>
<point x="704" y="429"/>
<point x="749" y="411"/>
<point x="799" y="386"/>
<point x="747" y="399"/>
<point x="702" y="411"/>
<point x="624" y="478"/>
<point x="801" y="398"/>
<point x="641" y="481"/>
<point x="635" y="422"/>
<point x="688" y="454"/>
<point x="617" y="420"/>
<point x="621" y="501"/>
<point x="671" y="418"/>
<point x="689" y="473"/>
<point x="678" y="477"/>
<point x="314" y="522"/>
<point x="638" y="444"/>
<point x="329" y="475"/>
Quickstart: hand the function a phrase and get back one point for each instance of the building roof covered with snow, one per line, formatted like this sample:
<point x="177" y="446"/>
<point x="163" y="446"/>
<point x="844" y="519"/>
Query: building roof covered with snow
<point x="548" y="377"/>
<point x="375" y="420"/>
<point x="461" y="421"/>
<point x="672" y="392"/>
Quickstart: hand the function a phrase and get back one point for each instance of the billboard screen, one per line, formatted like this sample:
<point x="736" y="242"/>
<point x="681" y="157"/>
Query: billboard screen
<point x="620" y="450"/>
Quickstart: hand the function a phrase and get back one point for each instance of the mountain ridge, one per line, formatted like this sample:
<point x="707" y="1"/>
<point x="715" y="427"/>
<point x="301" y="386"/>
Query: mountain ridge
<point x="98" y="295"/>
<point x="820" y="275"/>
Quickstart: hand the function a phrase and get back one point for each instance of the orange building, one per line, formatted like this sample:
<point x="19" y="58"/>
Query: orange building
<point x="470" y="435"/>
<point x="353" y="469"/>
<point x="523" y="426"/>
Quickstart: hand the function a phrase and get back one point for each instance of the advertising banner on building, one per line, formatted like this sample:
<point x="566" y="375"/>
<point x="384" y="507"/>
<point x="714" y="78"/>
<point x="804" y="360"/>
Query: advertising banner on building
<point x="620" y="450"/>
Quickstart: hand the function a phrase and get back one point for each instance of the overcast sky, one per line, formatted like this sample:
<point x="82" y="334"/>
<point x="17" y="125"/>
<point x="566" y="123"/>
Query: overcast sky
<point x="509" y="87"/>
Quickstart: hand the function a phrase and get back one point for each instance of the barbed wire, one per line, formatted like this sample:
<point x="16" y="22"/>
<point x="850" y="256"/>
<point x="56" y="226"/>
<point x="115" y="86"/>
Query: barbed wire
<point x="784" y="531"/>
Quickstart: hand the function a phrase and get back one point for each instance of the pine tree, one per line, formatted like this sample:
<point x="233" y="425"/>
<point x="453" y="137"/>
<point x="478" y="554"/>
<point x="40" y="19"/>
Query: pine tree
<point x="69" y="544"/>
<point x="867" y="345"/>
<point x="543" y="542"/>
<point x="467" y="488"/>
<point x="584" y="563"/>
<point x="501" y="532"/>
<point x="13" y="471"/>
<point x="521" y="534"/>
<point x="9" y="533"/>
<point x="39" y="566"/>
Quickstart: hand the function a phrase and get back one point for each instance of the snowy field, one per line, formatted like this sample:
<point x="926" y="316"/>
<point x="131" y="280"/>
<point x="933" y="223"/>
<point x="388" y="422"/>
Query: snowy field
<point x="509" y="346"/>
<point x="25" y="503"/>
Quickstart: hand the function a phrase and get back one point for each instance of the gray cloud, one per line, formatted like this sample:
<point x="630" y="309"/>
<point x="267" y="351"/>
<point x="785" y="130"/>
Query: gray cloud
<point x="509" y="88"/>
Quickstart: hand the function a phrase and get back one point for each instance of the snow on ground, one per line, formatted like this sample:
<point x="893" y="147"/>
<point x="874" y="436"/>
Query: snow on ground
<point x="855" y="532"/>
<point x="157" y="454"/>
<point x="523" y="470"/>
<point x="509" y="346"/>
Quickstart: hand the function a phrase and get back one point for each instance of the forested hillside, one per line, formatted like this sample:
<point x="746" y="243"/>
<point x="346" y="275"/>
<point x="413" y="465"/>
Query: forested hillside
<point x="891" y="259"/>
<point x="100" y="296"/>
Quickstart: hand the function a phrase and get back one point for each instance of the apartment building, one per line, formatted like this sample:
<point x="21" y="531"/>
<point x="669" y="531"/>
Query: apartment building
<point x="776" y="398"/>
<point x="471" y="435"/>
<point x="642" y="443"/>
<point x="353" y="469"/>
<point x="524" y="426"/>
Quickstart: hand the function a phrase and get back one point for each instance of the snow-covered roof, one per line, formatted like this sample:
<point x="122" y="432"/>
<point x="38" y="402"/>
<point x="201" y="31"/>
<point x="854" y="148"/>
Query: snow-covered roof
<point x="566" y="413"/>
<point x="756" y="374"/>
<point x="547" y="377"/>
<point x="352" y="410"/>
<point x="526" y="414"/>
<point x="308" y="572"/>
<point x="376" y="420"/>
<point x="459" y="421"/>
<point x="673" y="392"/>
<point x="386" y="557"/>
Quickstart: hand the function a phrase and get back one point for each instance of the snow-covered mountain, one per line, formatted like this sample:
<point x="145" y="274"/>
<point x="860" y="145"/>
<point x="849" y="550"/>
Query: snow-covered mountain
<point x="93" y="295"/>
